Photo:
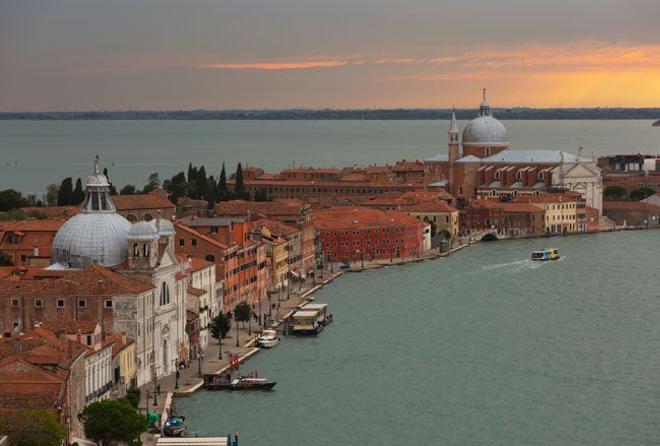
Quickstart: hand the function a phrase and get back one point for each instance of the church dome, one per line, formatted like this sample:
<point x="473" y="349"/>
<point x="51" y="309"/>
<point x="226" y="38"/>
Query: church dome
<point x="165" y="227"/>
<point x="97" y="235"/>
<point x="142" y="230"/>
<point x="484" y="129"/>
<point x="88" y="238"/>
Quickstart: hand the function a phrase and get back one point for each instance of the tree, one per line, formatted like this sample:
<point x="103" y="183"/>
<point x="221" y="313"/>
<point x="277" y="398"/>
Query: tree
<point x="65" y="193"/>
<point x="78" y="192"/>
<point x="51" y="194"/>
<point x="261" y="195"/>
<point x="128" y="189"/>
<point x="176" y="186"/>
<point x="11" y="199"/>
<point x="111" y="421"/>
<point x="28" y="427"/>
<point x="5" y="259"/>
<point x="152" y="183"/>
<point x="614" y="193"/>
<point x="223" y="190"/>
<point x="641" y="193"/>
<point x="219" y="328"/>
<point x="202" y="184"/>
<point x="239" y="187"/>
<point x="242" y="313"/>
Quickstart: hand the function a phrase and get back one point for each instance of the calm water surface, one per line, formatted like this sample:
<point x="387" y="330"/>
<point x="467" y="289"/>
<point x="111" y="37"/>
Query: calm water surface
<point x="482" y="348"/>
<point x="47" y="151"/>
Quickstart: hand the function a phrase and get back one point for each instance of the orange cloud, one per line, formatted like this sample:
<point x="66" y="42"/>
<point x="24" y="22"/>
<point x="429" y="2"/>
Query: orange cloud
<point x="274" y="66"/>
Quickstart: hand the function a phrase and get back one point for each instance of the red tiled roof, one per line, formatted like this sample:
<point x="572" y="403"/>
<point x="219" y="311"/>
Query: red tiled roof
<point x="520" y="208"/>
<point x="433" y="206"/>
<point x="53" y="211"/>
<point x="141" y="201"/>
<point x="546" y="198"/>
<point x="45" y="225"/>
<point x="118" y="342"/>
<point x="275" y="227"/>
<point x="240" y="207"/>
<point x="71" y="327"/>
<point x="93" y="280"/>
<point x="196" y="291"/>
<point x="181" y="227"/>
<point x="345" y="217"/>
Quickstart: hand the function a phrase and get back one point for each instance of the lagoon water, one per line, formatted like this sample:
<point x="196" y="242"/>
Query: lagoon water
<point x="482" y="348"/>
<point x="34" y="154"/>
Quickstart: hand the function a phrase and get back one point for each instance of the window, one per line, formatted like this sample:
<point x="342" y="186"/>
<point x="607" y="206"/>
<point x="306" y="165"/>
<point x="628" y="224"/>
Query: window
<point x="519" y="175"/>
<point x="108" y="303"/>
<point x="136" y="250"/>
<point x="82" y="303"/>
<point x="164" y="294"/>
<point x="498" y="174"/>
<point x="145" y="249"/>
<point x="39" y="303"/>
<point x="210" y="258"/>
<point x="89" y="340"/>
<point x="194" y="242"/>
<point x="213" y="230"/>
<point x="182" y="242"/>
<point x="60" y="303"/>
<point x="23" y="258"/>
<point x="14" y="302"/>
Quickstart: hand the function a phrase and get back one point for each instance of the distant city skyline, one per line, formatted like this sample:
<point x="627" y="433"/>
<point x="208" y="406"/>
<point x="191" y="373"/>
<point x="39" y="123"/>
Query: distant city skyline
<point x="205" y="54"/>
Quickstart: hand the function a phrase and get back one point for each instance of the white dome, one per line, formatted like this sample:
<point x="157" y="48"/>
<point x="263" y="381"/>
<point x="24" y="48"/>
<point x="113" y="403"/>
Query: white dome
<point x="142" y="230"/>
<point x="165" y="227"/>
<point x="86" y="238"/>
<point x="485" y="130"/>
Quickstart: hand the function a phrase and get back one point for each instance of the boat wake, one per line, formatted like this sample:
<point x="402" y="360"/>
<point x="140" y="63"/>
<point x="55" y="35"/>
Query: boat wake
<point x="513" y="267"/>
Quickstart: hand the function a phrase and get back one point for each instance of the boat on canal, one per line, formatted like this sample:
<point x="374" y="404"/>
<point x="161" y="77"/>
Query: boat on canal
<point x="174" y="426"/>
<point x="546" y="255"/>
<point x="324" y="317"/>
<point x="268" y="339"/>
<point x="220" y="382"/>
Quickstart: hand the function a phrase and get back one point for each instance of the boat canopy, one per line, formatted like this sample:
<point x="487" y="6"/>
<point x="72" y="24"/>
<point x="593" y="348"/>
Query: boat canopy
<point x="303" y="313"/>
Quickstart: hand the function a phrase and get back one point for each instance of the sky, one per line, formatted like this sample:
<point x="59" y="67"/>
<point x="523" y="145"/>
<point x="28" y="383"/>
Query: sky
<point x="247" y="54"/>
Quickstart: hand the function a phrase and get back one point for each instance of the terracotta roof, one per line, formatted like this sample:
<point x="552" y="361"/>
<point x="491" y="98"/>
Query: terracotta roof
<point x="485" y="204"/>
<point x="118" y="342"/>
<point x="275" y="227"/>
<point x="520" y="208"/>
<point x="354" y="177"/>
<point x="196" y="291"/>
<point x="433" y="206"/>
<point x="93" y="280"/>
<point x="345" y="217"/>
<point x="25" y="385"/>
<point x="45" y="225"/>
<point x="141" y="201"/>
<point x="427" y="195"/>
<point x="71" y="327"/>
<point x="181" y="227"/>
<point x="53" y="211"/>
<point x="240" y="207"/>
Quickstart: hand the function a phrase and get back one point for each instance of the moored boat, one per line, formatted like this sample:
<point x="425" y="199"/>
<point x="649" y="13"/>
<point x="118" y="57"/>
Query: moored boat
<point x="305" y="322"/>
<point x="218" y="382"/>
<point x="546" y="254"/>
<point x="268" y="339"/>
<point x="323" y="316"/>
<point x="174" y="426"/>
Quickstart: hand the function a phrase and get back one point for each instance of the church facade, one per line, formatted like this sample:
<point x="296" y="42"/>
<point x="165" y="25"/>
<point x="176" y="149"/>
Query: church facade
<point x="480" y="164"/>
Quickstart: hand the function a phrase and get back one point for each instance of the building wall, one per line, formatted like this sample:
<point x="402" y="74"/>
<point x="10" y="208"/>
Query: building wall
<point x="77" y="393"/>
<point x="98" y="375"/>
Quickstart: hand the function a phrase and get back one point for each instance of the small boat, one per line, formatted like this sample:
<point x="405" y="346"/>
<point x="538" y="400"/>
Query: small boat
<point x="268" y="339"/>
<point x="174" y="427"/>
<point x="218" y="382"/>
<point x="546" y="254"/>
<point x="656" y="123"/>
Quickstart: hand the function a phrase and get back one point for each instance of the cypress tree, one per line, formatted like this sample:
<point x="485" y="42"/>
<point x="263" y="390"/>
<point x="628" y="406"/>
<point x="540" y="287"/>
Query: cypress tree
<point x="239" y="188"/>
<point x="78" y="192"/>
<point x="65" y="194"/>
<point x="202" y="183"/>
<point x="223" y="190"/>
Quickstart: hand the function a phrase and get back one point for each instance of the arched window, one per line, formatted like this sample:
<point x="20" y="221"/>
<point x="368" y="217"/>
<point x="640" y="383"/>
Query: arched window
<point x="498" y="174"/>
<point x="541" y="175"/>
<point x="136" y="250"/>
<point x="145" y="249"/>
<point x="519" y="175"/>
<point x="487" y="151"/>
<point x="164" y="294"/>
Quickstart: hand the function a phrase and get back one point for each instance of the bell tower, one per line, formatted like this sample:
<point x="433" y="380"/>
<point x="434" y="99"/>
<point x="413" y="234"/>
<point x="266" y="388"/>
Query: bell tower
<point x="454" y="147"/>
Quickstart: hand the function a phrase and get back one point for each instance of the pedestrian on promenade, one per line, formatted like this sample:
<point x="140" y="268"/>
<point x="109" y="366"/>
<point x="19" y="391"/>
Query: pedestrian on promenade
<point x="158" y="389"/>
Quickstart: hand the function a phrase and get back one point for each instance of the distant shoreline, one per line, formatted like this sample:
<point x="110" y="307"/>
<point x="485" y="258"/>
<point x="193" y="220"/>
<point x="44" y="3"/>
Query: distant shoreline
<point x="517" y="113"/>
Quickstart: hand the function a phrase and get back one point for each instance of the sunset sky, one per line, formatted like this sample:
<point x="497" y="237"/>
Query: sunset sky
<point x="217" y="54"/>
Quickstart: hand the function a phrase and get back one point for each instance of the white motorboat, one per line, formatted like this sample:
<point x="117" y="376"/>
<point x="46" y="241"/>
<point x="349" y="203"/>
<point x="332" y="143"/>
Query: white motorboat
<point x="268" y="339"/>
